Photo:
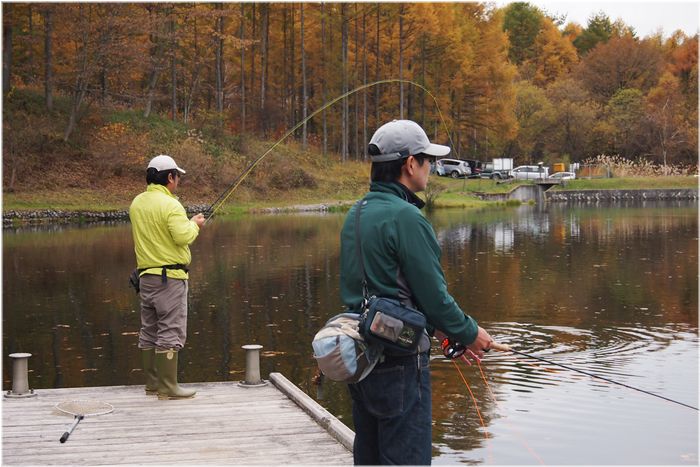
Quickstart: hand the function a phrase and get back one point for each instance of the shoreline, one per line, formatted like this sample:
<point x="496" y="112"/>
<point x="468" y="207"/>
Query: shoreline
<point x="23" y="217"/>
<point x="18" y="217"/>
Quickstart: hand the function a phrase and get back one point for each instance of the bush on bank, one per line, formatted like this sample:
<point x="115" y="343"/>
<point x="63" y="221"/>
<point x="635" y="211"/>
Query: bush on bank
<point x="102" y="167"/>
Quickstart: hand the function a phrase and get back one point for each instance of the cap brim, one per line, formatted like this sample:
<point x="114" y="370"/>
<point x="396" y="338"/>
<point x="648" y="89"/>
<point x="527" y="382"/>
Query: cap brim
<point x="180" y="170"/>
<point x="437" y="150"/>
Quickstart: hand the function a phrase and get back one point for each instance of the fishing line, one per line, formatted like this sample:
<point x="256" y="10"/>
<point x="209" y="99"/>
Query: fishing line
<point x="592" y="375"/>
<point x="232" y="187"/>
<point x="478" y="412"/>
<point x="476" y="406"/>
<point x="517" y="433"/>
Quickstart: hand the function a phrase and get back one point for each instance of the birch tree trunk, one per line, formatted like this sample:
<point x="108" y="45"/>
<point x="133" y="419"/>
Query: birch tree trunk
<point x="264" y="37"/>
<point x="242" y="37"/>
<point x="356" y="118"/>
<point x="32" y="61"/>
<point x="344" y="54"/>
<point x="376" y="73"/>
<point x="153" y="80"/>
<point x="304" y="94"/>
<point x="6" y="47"/>
<point x="173" y="72"/>
<point x="284" y="91"/>
<point x="81" y="81"/>
<point x="422" y="100"/>
<point x="364" y="82"/>
<point x="219" y="69"/>
<point x="292" y="75"/>
<point x="252" y="57"/>
<point x="401" y="61"/>
<point x="323" y="76"/>
<point x="194" y="83"/>
<point x="48" y="58"/>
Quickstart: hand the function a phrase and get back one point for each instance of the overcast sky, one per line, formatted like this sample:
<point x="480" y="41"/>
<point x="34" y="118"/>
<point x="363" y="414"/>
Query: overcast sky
<point x="645" y="17"/>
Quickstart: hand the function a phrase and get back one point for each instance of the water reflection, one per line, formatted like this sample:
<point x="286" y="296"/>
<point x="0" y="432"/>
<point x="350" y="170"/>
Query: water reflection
<point x="611" y="290"/>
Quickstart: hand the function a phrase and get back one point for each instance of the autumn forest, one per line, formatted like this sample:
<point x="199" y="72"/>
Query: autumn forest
<point x="512" y="81"/>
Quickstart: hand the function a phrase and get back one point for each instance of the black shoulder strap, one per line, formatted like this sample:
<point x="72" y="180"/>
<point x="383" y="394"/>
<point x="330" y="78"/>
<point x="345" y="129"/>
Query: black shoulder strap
<point x="358" y="249"/>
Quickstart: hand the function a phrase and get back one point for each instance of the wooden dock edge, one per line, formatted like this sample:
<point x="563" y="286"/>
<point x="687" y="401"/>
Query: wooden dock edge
<point x="335" y="427"/>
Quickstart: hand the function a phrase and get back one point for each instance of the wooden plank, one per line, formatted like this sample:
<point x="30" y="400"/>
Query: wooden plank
<point x="323" y="417"/>
<point x="167" y="450"/>
<point x="223" y="424"/>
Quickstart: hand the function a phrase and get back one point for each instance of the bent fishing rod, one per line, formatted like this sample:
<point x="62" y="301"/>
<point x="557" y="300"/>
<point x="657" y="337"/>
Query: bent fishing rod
<point x="507" y="348"/>
<point x="232" y="187"/>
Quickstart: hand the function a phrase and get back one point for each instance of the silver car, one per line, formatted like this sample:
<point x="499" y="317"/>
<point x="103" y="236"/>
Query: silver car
<point x="530" y="172"/>
<point x="564" y="176"/>
<point x="454" y="168"/>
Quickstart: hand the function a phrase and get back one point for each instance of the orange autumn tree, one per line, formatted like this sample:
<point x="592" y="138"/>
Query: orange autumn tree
<point x="228" y="69"/>
<point x="555" y="55"/>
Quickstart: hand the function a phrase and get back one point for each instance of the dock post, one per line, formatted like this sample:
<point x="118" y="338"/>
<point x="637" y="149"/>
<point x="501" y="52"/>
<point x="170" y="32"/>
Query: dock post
<point x="20" y="379"/>
<point x="252" y="366"/>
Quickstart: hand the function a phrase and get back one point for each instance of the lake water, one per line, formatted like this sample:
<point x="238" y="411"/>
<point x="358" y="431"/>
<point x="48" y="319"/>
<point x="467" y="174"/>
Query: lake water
<point x="611" y="290"/>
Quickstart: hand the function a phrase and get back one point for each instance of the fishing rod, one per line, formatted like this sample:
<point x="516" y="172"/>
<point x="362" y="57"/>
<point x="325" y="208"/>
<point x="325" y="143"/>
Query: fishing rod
<point x="232" y="187"/>
<point x="507" y="348"/>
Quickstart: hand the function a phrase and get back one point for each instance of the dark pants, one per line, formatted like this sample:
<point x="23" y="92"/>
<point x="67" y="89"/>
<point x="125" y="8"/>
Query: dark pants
<point x="392" y="412"/>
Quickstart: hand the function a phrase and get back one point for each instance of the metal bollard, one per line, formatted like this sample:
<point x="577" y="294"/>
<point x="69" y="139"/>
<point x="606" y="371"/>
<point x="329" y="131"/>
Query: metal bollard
<point x="20" y="379"/>
<point x="252" y="366"/>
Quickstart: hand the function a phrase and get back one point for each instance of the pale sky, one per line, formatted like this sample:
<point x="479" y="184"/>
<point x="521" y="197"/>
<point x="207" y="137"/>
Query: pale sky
<point x="645" y="17"/>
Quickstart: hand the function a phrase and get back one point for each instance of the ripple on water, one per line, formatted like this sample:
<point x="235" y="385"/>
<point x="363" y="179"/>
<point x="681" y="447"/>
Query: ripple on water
<point x="605" y="351"/>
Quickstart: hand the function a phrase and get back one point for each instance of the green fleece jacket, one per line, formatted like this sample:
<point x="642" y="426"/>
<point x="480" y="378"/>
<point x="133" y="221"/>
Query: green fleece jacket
<point x="401" y="259"/>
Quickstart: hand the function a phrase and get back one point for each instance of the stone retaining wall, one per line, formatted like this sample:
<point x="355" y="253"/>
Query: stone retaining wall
<point x="58" y="216"/>
<point x="618" y="195"/>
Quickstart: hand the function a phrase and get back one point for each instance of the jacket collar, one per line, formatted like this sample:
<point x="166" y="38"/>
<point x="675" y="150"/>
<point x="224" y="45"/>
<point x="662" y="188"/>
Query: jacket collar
<point x="153" y="187"/>
<point x="397" y="189"/>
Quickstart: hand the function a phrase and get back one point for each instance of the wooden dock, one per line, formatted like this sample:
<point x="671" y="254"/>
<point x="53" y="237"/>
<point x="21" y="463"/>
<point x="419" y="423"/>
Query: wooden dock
<point x="224" y="423"/>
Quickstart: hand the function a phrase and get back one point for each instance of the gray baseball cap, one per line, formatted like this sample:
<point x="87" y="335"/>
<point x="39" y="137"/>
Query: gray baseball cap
<point x="402" y="138"/>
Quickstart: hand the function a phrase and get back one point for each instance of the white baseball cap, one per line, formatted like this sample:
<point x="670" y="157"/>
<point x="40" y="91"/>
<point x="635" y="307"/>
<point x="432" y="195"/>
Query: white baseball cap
<point x="402" y="138"/>
<point x="164" y="162"/>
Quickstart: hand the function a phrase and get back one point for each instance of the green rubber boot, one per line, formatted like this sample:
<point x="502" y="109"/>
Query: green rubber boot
<point x="148" y="358"/>
<point x="166" y="369"/>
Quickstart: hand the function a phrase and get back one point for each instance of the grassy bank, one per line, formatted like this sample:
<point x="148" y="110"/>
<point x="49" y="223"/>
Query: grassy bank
<point x="337" y="183"/>
<point x="462" y="192"/>
<point x="102" y="167"/>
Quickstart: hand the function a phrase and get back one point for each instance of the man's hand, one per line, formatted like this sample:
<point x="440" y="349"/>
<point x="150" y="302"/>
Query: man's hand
<point x="198" y="219"/>
<point x="481" y="344"/>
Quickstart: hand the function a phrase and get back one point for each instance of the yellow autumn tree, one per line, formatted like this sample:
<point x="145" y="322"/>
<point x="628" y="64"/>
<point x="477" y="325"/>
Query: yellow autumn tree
<point x="555" y="54"/>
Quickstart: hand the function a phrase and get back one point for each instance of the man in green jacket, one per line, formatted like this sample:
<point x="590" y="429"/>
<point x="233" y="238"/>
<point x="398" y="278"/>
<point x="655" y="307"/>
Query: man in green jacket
<point x="392" y="405"/>
<point x="162" y="235"/>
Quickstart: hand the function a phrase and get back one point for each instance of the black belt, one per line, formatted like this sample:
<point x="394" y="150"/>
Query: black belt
<point x="163" y="275"/>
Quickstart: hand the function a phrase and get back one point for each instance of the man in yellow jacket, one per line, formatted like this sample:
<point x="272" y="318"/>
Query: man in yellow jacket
<point x="162" y="235"/>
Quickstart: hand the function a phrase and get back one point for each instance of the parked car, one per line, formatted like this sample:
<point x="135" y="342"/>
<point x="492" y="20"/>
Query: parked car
<point x="563" y="176"/>
<point x="475" y="166"/>
<point x="454" y="168"/>
<point x="498" y="169"/>
<point x="530" y="172"/>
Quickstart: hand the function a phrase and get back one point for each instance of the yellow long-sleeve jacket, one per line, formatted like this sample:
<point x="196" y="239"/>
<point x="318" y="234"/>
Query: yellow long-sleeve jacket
<point x="162" y="232"/>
